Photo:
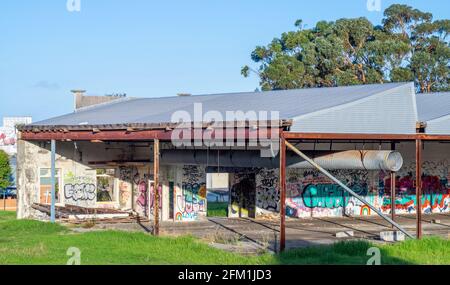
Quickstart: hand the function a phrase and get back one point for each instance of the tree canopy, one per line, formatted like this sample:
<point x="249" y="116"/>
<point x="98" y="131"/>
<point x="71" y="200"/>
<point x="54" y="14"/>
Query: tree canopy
<point x="407" y="46"/>
<point x="5" y="170"/>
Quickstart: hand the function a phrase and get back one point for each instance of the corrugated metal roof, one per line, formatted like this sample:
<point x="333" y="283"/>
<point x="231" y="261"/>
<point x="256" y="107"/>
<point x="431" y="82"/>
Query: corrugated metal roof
<point x="434" y="109"/>
<point x="433" y="106"/>
<point x="391" y="111"/>
<point x="289" y="104"/>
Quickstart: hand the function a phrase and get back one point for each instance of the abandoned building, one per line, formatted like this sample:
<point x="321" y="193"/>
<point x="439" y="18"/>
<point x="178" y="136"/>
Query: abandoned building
<point x="388" y="145"/>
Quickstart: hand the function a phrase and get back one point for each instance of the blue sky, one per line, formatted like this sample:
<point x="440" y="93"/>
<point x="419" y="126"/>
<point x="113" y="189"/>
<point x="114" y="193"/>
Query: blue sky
<point x="146" y="48"/>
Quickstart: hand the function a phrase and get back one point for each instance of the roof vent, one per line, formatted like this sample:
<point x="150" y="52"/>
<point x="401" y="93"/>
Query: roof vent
<point x="183" y="94"/>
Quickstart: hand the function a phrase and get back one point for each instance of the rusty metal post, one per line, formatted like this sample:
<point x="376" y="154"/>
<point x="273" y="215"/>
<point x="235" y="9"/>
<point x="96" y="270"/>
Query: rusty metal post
<point x="393" y="182"/>
<point x="282" y="183"/>
<point x="419" y="188"/>
<point x="156" y="186"/>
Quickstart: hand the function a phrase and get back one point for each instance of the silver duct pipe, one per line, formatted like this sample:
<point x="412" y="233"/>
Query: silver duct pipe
<point x="357" y="160"/>
<point x="353" y="159"/>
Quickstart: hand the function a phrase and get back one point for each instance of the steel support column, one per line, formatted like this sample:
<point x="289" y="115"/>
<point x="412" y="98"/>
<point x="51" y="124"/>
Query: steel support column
<point x="282" y="183"/>
<point x="156" y="185"/>
<point x="419" y="188"/>
<point x="393" y="182"/>
<point x="53" y="180"/>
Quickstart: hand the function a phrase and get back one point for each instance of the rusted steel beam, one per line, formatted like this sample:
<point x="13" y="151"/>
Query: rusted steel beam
<point x="335" y="136"/>
<point x="101" y="136"/>
<point x="282" y="183"/>
<point x="156" y="186"/>
<point x="162" y="135"/>
<point x="425" y="137"/>
<point x="247" y="133"/>
<point x="419" y="189"/>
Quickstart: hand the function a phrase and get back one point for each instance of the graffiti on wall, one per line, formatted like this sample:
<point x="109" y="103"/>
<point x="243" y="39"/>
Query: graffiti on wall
<point x="243" y="195"/>
<point x="7" y="138"/>
<point x="431" y="203"/>
<point x="267" y="192"/>
<point x="192" y="199"/>
<point x="134" y="184"/>
<point x="315" y="195"/>
<point x="79" y="189"/>
<point x="8" y="133"/>
<point x="309" y="193"/>
<point x="125" y="187"/>
<point x="435" y="188"/>
<point x="79" y="192"/>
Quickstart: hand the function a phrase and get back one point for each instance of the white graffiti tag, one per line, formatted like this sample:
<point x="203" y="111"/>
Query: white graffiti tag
<point x="79" y="192"/>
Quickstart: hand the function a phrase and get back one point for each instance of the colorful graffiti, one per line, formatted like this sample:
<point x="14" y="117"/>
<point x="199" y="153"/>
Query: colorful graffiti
<point x="8" y="133"/>
<point x="431" y="203"/>
<point x="435" y="188"/>
<point x="309" y="193"/>
<point x="133" y="188"/>
<point x="324" y="196"/>
<point x="191" y="202"/>
<point x="7" y="139"/>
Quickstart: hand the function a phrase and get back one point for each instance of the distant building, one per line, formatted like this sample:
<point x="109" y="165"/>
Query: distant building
<point x="81" y="100"/>
<point x="8" y="138"/>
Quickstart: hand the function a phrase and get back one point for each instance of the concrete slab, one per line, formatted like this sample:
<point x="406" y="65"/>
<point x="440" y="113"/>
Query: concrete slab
<point x="299" y="233"/>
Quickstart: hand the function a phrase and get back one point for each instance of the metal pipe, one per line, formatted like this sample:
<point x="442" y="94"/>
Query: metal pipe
<point x="393" y="178"/>
<point x="356" y="160"/>
<point x="361" y="199"/>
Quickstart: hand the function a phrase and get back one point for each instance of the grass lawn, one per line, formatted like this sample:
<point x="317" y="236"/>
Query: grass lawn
<point x="217" y="209"/>
<point x="33" y="242"/>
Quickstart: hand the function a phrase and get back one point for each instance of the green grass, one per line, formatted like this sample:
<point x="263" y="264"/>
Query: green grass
<point x="34" y="242"/>
<point x="217" y="209"/>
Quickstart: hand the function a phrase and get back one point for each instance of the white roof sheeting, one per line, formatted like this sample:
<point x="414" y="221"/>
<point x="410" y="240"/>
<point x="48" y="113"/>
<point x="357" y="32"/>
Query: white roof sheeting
<point x="391" y="111"/>
<point x="434" y="109"/>
<point x="375" y="109"/>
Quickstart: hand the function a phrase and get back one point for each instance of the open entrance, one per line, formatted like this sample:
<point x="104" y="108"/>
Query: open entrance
<point x="242" y="195"/>
<point x="218" y="194"/>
